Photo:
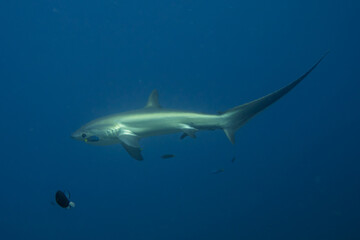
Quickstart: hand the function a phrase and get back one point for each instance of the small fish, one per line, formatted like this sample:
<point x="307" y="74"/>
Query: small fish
<point x="166" y="156"/>
<point x="233" y="159"/>
<point x="63" y="200"/>
<point x="221" y="170"/>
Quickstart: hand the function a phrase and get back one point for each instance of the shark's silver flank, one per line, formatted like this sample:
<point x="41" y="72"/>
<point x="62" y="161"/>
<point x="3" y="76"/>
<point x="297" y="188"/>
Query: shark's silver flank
<point x="129" y="127"/>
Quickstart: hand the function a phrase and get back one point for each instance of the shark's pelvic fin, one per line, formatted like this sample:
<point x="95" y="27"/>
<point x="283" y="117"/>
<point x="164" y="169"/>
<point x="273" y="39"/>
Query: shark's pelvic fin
<point x="188" y="131"/>
<point x="153" y="100"/>
<point x="236" y="117"/>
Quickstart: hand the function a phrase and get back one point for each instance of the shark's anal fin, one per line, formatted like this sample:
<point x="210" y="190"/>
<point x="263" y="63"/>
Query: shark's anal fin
<point x="188" y="131"/>
<point x="130" y="141"/>
<point x="184" y="135"/>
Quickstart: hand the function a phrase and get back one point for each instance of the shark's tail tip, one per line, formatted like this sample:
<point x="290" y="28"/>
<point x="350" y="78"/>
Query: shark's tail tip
<point x="325" y="54"/>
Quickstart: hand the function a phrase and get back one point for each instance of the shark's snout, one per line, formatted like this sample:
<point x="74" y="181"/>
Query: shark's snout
<point x="76" y="135"/>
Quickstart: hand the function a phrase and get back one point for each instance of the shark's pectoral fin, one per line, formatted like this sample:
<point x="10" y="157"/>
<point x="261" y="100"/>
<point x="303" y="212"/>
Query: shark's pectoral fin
<point x="129" y="138"/>
<point x="134" y="152"/>
<point x="130" y="141"/>
<point x="188" y="131"/>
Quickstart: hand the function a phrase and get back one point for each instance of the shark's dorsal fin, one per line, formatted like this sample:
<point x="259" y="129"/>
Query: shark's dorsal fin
<point x="153" y="100"/>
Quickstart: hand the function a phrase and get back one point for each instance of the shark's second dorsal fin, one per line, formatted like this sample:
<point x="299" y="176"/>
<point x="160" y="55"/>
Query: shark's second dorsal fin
<point x="153" y="100"/>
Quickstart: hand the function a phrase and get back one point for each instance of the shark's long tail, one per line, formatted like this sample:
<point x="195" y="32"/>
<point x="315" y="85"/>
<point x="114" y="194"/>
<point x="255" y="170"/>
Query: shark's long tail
<point x="236" y="117"/>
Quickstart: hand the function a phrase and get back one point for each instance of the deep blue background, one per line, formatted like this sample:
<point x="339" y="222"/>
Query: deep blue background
<point x="296" y="174"/>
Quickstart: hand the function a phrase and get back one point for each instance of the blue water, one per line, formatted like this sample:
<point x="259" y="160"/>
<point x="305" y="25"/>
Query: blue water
<point x="296" y="173"/>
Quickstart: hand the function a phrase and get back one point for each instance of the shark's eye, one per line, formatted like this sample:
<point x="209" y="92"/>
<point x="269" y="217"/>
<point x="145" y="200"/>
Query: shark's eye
<point x="83" y="135"/>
